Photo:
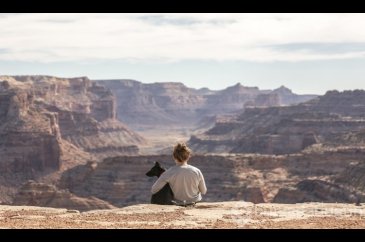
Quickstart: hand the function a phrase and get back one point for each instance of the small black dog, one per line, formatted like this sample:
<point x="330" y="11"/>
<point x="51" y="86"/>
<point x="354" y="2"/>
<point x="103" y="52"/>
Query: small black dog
<point x="165" y="195"/>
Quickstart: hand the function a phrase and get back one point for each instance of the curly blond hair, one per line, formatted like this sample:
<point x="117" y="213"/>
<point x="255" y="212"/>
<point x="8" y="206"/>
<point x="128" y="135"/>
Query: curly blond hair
<point x="181" y="152"/>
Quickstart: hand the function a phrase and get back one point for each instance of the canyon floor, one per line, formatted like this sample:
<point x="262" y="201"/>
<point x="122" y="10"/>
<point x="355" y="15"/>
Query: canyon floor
<point x="162" y="141"/>
<point x="227" y="215"/>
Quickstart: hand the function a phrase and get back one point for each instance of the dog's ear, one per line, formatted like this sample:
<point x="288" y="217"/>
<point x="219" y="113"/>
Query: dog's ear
<point x="157" y="164"/>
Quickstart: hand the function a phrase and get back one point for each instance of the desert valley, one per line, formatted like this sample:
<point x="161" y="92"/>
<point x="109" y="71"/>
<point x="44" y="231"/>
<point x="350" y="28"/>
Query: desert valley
<point x="85" y="145"/>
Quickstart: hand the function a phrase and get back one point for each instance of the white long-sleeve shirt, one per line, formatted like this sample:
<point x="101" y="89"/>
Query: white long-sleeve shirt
<point x="186" y="182"/>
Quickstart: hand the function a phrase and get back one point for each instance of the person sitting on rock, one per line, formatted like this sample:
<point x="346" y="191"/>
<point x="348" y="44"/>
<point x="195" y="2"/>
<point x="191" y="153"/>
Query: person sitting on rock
<point x="186" y="181"/>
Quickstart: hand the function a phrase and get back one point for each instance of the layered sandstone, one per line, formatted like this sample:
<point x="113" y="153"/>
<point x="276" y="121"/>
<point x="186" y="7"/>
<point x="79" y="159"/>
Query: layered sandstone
<point x="30" y="136"/>
<point x="85" y="112"/>
<point x="122" y="180"/>
<point x="311" y="176"/>
<point x="316" y="191"/>
<point x="254" y="178"/>
<point x="49" y="124"/>
<point x="333" y="119"/>
<point x="50" y="127"/>
<point x="45" y="195"/>
<point x="158" y="105"/>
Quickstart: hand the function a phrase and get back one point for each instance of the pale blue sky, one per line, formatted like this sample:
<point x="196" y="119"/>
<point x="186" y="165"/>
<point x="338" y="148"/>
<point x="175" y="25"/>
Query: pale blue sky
<point x="309" y="53"/>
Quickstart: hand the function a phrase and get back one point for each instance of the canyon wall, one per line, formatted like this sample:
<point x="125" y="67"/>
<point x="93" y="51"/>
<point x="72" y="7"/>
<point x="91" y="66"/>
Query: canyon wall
<point x="336" y="118"/>
<point x="49" y="124"/>
<point x="157" y="105"/>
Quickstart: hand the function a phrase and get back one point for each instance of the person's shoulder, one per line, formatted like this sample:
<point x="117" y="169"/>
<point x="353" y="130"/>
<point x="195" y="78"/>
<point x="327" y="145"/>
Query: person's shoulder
<point x="194" y="168"/>
<point x="172" y="168"/>
<point x="169" y="172"/>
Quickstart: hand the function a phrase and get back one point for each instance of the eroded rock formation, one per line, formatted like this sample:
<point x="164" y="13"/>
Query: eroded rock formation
<point x="156" y="105"/>
<point x="333" y="119"/>
<point x="44" y="121"/>
<point x="255" y="178"/>
<point x="78" y="110"/>
<point x="45" y="195"/>
<point x="29" y="137"/>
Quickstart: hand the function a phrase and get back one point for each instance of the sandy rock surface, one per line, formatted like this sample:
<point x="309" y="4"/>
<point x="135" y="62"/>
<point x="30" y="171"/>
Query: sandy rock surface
<point x="203" y="215"/>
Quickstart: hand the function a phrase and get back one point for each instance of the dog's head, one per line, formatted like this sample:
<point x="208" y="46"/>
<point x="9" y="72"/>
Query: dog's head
<point x="156" y="170"/>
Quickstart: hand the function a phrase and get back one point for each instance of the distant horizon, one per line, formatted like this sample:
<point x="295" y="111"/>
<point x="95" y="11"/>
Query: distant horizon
<point x="197" y="88"/>
<point x="310" y="53"/>
<point x="188" y="86"/>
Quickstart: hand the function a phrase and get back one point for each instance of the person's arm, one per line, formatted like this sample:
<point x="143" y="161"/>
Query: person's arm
<point x="160" y="183"/>
<point x="202" y="187"/>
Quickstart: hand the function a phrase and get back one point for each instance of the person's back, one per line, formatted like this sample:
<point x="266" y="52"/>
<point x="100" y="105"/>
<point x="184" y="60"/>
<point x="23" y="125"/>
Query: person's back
<point x="186" y="181"/>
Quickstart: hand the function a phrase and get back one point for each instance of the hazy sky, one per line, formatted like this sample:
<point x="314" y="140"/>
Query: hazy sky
<point x="309" y="53"/>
